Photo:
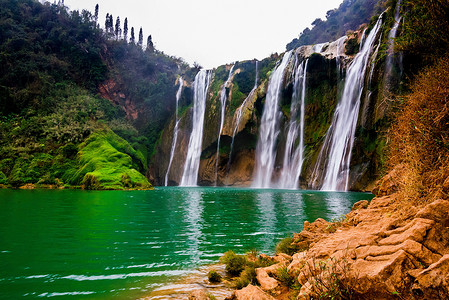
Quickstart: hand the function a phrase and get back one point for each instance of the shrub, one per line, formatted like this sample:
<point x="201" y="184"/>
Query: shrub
<point x="287" y="246"/>
<point x="248" y="276"/>
<point x="285" y="278"/>
<point x="330" y="279"/>
<point x="234" y="263"/>
<point x="3" y="179"/>
<point x="213" y="276"/>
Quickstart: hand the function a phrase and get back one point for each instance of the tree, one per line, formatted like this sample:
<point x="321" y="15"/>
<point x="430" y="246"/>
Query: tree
<point x="150" y="46"/>
<point x="106" y="23"/>
<point x="125" y="30"/>
<point x="118" y="30"/>
<point x="111" y="24"/>
<point x="132" y="39"/>
<point x="140" y="37"/>
<point x="96" y="14"/>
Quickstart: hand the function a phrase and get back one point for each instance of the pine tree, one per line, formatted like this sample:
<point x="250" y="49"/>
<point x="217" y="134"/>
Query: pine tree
<point x="140" y="37"/>
<point x="150" y="46"/>
<point x="132" y="39"/>
<point x="118" y="30"/>
<point x="96" y="14"/>
<point x="125" y="30"/>
<point x="111" y="24"/>
<point x="106" y="23"/>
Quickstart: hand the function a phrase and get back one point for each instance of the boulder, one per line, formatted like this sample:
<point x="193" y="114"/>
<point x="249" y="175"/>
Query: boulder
<point x="361" y="204"/>
<point x="433" y="282"/>
<point x="250" y="292"/>
<point x="437" y="211"/>
<point x="266" y="282"/>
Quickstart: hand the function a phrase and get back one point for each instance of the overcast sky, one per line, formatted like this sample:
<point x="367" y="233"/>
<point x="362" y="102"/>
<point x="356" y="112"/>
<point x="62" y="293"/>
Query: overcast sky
<point x="214" y="32"/>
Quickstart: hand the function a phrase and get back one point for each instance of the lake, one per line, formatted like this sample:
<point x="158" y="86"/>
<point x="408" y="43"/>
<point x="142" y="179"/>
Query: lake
<point x="73" y="244"/>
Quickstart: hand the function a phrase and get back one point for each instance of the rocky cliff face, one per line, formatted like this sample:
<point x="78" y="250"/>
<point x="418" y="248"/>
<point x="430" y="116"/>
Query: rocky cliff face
<point x="327" y="65"/>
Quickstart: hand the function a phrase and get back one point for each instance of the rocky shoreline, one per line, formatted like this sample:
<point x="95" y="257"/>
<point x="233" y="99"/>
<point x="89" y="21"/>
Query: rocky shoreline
<point x="386" y="249"/>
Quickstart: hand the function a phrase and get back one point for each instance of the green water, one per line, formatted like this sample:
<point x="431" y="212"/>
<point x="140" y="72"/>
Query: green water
<point x="122" y="244"/>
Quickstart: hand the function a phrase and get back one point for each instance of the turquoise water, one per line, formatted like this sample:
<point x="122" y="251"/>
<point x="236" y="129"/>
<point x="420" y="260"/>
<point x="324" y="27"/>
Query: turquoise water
<point x="72" y="244"/>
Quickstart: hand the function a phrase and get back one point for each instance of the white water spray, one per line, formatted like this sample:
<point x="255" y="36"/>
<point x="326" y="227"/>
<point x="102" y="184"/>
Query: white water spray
<point x="175" y="130"/>
<point x="294" y="158"/>
<point x="269" y="127"/>
<point x="341" y="133"/>
<point x="191" y="166"/>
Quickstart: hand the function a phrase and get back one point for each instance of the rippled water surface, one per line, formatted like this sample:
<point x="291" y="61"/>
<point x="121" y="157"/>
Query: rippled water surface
<point x="121" y="244"/>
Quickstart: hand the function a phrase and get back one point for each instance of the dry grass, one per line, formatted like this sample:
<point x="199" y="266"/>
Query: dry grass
<point x="420" y="138"/>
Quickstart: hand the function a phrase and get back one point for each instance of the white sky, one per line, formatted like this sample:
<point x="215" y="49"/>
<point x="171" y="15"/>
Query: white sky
<point x="214" y="32"/>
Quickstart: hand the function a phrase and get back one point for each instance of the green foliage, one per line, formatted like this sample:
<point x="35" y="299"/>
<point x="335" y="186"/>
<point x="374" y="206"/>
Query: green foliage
<point x="287" y="246"/>
<point x="213" y="276"/>
<point x="3" y="178"/>
<point x="424" y="31"/>
<point x="349" y="16"/>
<point x="285" y="278"/>
<point x="248" y="276"/>
<point x="234" y="263"/>
<point x="352" y="46"/>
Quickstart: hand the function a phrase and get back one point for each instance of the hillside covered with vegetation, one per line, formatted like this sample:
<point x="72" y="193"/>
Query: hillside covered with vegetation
<point x="67" y="85"/>
<point x="348" y="16"/>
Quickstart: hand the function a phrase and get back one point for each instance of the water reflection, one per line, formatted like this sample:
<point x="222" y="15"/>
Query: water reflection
<point x="193" y="218"/>
<point x="267" y="219"/>
<point x="123" y="244"/>
<point x="337" y="204"/>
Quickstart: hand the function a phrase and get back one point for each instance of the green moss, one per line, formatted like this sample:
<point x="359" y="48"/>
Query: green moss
<point x="105" y="163"/>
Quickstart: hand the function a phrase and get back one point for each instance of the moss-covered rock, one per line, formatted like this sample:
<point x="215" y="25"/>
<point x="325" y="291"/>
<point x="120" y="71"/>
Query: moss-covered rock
<point x="106" y="163"/>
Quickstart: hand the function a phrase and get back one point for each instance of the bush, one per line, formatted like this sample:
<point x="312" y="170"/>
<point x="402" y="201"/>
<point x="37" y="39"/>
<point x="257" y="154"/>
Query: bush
<point x="248" y="276"/>
<point x="285" y="278"/>
<point x="234" y="263"/>
<point x="3" y="179"/>
<point x="287" y="246"/>
<point x="213" y="276"/>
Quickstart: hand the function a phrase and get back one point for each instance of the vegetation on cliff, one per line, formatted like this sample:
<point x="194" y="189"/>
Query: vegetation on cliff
<point x="63" y="80"/>
<point x="349" y="16"/>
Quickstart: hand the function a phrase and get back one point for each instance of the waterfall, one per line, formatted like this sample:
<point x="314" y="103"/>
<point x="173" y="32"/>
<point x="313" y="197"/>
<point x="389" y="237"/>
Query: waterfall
<point x="340" y="135"/>
<point x="391" y="36"/>
<point x="223" y="98"/>
<point x="294" y="158"/>
<point x="239" y="112"/>
<point x="175" y="130"/>
<point x="191" y="166"/>
<point x="269" y="127"/>
<point x="340" y="51"/>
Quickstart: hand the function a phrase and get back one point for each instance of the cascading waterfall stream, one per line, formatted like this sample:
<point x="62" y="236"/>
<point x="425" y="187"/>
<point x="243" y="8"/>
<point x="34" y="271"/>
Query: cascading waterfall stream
<point x="240" y="114"/>
<point x="223" y="99"/>
<point x="341" y="133"/>
<point x="191" y="166"/>
<point x="390" y="60"/>
<point x="269" y="127"/>
<point x="294" y="158"/>
<point x="175" y="130"/>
